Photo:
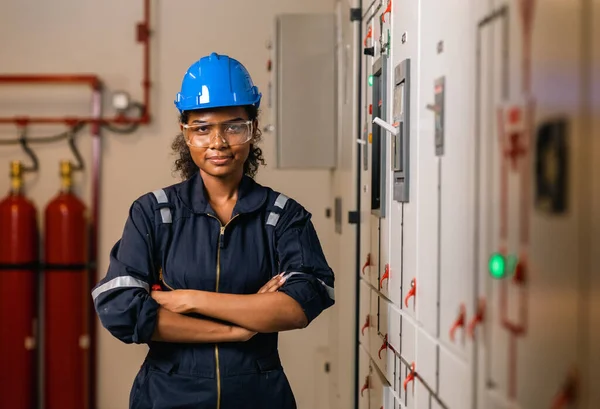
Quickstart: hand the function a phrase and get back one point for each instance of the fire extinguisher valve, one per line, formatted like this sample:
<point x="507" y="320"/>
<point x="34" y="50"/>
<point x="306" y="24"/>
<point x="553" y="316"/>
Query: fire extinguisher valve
<point x="66" y="175"/>
<point x="16" y="176"/>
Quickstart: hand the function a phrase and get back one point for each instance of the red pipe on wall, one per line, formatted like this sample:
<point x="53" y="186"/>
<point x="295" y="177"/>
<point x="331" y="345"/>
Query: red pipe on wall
<point x="92" y="80"/>
<point x="143" y="36"/>
<point x="72" y="120"/>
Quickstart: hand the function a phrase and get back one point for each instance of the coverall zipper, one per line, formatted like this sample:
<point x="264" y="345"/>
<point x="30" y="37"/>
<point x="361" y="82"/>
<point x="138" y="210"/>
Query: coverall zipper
<point x="162" y="280"/>
<point x="219" y="245"/>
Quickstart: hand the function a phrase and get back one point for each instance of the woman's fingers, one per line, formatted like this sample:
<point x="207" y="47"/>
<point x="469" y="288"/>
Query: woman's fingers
<point x="273" y="281"/>
<point x="276" y="284"/>
<point x="273" y="284"/>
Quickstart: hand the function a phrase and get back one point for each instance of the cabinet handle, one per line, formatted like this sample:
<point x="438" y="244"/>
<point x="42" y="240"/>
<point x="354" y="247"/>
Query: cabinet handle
<point x="383" y="346"/>
<point x="365" y="386"/>
<point x="367" y="263"/>
<point x="366" y="324"/>
<point x="412" y="291"/>
<point x="459" y="323"/>
<point x="411" y="376"/>
<point x="479" y="317"/>
<point x="568" y="392"/>
<point x="385" y="275"/>
<point x="387" y="10"/>
<point x="369" y="35"/>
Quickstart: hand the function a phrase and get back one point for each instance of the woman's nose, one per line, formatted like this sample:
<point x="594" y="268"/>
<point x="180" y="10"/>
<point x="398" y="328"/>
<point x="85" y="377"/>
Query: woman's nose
<point x="217" y="141"/>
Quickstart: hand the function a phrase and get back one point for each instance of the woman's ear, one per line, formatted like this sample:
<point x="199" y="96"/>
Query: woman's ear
<point x="255" y="130"/>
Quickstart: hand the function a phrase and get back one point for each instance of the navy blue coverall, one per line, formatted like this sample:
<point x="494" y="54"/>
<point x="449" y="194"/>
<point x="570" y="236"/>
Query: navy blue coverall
<point x="172" y="237"/>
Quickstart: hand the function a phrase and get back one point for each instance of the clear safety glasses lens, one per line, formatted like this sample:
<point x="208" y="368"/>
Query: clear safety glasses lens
<point x="233" y="133"/>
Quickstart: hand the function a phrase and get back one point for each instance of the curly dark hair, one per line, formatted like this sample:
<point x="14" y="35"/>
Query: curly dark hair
<point x="184" y="164"/>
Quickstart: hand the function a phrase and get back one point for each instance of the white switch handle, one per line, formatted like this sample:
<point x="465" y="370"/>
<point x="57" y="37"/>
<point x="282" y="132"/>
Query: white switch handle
<point x="388" y="127"/>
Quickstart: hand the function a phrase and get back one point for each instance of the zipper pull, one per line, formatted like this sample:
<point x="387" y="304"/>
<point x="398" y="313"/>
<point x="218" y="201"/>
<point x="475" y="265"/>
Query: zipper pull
<point x="222" y="238"/>
<point x="158" y="287"/>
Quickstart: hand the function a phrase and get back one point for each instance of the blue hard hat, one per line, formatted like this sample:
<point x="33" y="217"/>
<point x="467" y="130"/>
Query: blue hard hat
<point x="216" y="81"/>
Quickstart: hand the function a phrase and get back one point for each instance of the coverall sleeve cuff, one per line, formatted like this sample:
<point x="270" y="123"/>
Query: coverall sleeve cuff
<point x="147" y="320"/>
<point x="305" y="295"/>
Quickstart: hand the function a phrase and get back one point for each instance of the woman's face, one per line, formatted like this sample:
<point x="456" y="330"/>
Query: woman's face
<point x="218" y="158"/>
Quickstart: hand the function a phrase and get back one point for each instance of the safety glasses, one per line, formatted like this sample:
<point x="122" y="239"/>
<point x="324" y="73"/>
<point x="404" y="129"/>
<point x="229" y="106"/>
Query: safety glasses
<point x="232" y="133"/>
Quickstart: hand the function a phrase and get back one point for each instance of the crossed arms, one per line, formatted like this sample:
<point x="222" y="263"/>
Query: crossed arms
<point x="265" y="311"/>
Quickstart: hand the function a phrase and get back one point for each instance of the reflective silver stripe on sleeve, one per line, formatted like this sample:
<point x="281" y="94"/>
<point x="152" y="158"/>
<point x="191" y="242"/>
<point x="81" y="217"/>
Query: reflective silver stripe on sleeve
<point x="281" y="201"/>
<point x="273" y="219"/>
<point x="120" y="282"/>
<point x="330" y="290"/>
<point x="165" y="212"/>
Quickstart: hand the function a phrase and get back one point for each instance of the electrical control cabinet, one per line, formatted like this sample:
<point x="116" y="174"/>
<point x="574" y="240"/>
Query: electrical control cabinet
<point x="471" y="175"/>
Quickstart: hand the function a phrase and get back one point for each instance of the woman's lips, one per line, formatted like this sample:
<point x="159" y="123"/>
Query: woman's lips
<point x="219" y="160"/>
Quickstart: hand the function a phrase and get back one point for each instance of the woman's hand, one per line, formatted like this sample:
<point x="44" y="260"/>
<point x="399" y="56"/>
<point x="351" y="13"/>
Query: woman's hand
<point x="178" y="301"/>
<point x="273" y="284"/>
<point x="242" y="334"/>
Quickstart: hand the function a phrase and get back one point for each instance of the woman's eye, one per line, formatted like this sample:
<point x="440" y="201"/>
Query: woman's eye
<point x="234" y="128"/>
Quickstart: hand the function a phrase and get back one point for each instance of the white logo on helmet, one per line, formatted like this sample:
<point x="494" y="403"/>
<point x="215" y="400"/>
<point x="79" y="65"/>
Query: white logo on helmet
<point x="204" y="96"/>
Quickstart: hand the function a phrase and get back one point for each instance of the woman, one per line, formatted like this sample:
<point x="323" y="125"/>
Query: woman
<point x="209" y="270"/>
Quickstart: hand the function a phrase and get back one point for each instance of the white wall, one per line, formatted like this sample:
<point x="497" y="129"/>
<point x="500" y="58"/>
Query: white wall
<point x="84" y="36"/>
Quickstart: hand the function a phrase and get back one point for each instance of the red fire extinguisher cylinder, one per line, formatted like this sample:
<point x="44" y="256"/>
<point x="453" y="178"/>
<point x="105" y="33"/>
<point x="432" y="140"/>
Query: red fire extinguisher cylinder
<point x="18" y="294"/>
<point x="66" y="296"/>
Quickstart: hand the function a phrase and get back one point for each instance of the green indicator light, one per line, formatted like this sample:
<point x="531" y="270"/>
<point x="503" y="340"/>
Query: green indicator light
<point x="497" y="266"/>
<point x="370" y="80"/>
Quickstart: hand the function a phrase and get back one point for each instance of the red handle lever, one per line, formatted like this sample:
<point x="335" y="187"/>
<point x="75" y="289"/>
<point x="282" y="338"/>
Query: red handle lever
<point x="412" y="291"/>
<point x="479" y="317"/>
<point x="367" y="263"/>
<point x="156" y="287"/>
<point x="560" y="402"/>
<point x="385" y="275"/>
<point x="459" y="323"/>
<point x="568" y="392"/>
<point x="383" y="346"/>
<point x="411" y="376"/>
<point x="365" y="386"/>
<point x="369" y="34"/>
<point x="366" y="324"/>
<point x="387" y="10"/>
<point x="520" y="275"/>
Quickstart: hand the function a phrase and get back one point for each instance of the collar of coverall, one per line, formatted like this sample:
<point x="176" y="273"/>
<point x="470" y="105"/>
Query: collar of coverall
<point x="251" y="195"/>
